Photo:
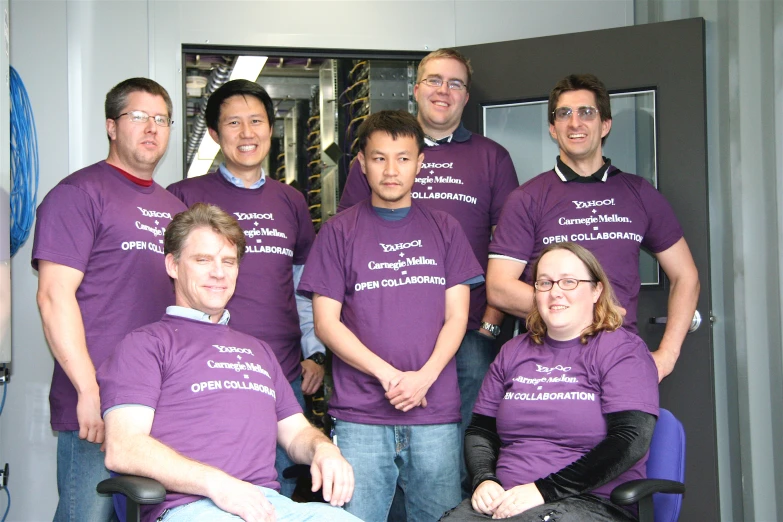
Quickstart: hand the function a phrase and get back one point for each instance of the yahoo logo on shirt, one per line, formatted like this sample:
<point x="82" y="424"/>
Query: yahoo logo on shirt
<point x="437" y="165"/>
<point x="154" y="213"/>
<point x="544" y="369"/>
<point x="233" y="349"/>
<point x="594" y="203"/>
<point x="244" y="216"/>
<point x="400" y="246"/>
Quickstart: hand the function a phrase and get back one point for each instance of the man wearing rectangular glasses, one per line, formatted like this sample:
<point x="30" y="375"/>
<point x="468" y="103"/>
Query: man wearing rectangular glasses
<point x="587" y="200"/>
<point x="468" y="176"/>
<point x="98" y="250"/>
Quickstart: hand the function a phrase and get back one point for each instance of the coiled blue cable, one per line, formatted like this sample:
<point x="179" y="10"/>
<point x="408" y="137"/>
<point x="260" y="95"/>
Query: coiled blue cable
<point x="8" y="507"/>
<point x="24" y="163"/>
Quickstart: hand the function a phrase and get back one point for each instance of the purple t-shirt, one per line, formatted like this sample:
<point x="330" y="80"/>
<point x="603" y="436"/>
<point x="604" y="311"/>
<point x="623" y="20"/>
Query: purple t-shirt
<point x="217" y="394"/>
<point x="550" y="401"/>
<point x="612" y="219"/>
<point x="468" y="179"/>
<point x="391" y="278"/>
<point x="279" y="234"/>
<point x="111" y="229"/>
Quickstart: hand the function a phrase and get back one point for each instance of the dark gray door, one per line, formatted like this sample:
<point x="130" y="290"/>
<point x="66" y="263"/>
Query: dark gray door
<point x="667" y="58"/>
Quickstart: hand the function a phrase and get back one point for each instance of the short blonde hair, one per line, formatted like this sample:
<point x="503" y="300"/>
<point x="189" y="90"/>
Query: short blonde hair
<point x="446" y="53"/>
<point x="606" y="311"/>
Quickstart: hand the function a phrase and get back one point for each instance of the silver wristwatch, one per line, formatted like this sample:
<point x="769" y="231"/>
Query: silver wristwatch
<point x="491" y="328"/>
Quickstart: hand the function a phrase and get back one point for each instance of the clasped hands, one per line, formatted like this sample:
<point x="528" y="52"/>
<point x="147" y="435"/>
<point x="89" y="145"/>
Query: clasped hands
<point x="491" y="499"/>
<point x="407" y="390"/>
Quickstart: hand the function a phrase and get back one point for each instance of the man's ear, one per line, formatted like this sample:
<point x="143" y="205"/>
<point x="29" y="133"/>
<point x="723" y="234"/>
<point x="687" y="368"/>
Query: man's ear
<point x="214" y="135"/>
<point x="362" y="161"/>
<point x="171" y="266"/>
<point x="606" y="126"/>
<point x="111" y="129"/>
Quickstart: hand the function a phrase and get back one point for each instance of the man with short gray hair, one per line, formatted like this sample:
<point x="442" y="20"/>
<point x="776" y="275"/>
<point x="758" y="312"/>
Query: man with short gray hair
<point x="200" y="407"/>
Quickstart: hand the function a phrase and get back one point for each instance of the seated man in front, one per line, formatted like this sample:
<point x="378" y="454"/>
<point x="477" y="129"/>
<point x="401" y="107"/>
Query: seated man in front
<point x="200" y="407"/>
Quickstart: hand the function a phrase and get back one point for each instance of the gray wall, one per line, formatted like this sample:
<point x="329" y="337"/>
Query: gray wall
<point x="5" y="219"/>
<point x="70" y="52"/>
<point x="745" y="149"/>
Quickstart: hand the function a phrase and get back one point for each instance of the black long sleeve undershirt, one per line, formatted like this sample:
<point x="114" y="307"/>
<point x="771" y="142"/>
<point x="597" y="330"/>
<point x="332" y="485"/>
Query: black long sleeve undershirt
<point x="482" y="447"/>
<point x="628" y="435"/>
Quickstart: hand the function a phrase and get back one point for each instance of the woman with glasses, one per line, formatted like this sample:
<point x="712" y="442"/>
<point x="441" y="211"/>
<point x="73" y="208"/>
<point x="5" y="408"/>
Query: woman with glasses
<point x="567" y="410"/>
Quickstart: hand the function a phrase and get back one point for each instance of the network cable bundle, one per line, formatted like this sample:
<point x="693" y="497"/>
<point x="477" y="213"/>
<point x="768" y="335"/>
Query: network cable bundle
<point x="24" y="163"/>
<point x="197" y="103"/>
<point x="375" y="85"/>
<point x="357" y="106"/>
<point x="280" y="170"/>
<point x="313" y="150"/>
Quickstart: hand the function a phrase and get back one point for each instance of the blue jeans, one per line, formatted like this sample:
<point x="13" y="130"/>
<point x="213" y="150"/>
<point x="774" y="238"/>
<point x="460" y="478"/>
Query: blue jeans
<point x="475" y="354"/>
<point x="286" y="510"/>
<point x="423" y="460"/>
<point x="287" y="486"/>
<point x="79" y="469"/>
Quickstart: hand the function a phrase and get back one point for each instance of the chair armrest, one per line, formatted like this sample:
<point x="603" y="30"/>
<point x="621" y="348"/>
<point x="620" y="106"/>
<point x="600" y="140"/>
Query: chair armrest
<point x="633" y="491"/>
<point x="142" y="490"/>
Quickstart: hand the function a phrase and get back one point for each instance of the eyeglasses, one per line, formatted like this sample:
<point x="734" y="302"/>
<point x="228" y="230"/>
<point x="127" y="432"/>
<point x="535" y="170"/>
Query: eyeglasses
<point x="567" y="283"/>
<point x="143" y="117"/>
<point x="585" y="113"/>
<point x="454" y="85"/>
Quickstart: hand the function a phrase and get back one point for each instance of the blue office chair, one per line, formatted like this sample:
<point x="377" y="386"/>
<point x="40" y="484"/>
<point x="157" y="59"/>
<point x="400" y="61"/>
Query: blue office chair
<point x="659" y="495"/>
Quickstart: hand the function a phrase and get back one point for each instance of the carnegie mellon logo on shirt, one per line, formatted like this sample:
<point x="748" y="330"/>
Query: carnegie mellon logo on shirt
<point x="427" y="176"/>
<point x="251" y="223"/>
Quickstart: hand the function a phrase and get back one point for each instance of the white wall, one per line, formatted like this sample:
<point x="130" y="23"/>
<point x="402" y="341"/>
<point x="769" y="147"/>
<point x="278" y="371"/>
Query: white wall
<point x="71" y="52"/>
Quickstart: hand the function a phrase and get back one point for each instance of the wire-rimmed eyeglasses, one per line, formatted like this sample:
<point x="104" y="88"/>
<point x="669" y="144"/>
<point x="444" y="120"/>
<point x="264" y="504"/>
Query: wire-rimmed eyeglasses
<point x="454" y="85"/>
<point x="143" y="117"/>
<point x="585" y="113"/>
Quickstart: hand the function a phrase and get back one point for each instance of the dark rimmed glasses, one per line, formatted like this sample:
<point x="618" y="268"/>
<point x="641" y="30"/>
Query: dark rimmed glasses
<point x="566" y="283"/>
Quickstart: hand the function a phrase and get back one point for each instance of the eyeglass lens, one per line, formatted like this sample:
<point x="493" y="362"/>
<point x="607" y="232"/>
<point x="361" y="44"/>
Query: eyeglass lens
<point x="585" y="113"/>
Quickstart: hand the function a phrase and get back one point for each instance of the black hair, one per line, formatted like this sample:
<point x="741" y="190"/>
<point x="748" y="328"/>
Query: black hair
<point x="237" y="88"/>
<point x="393" y="123"/>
